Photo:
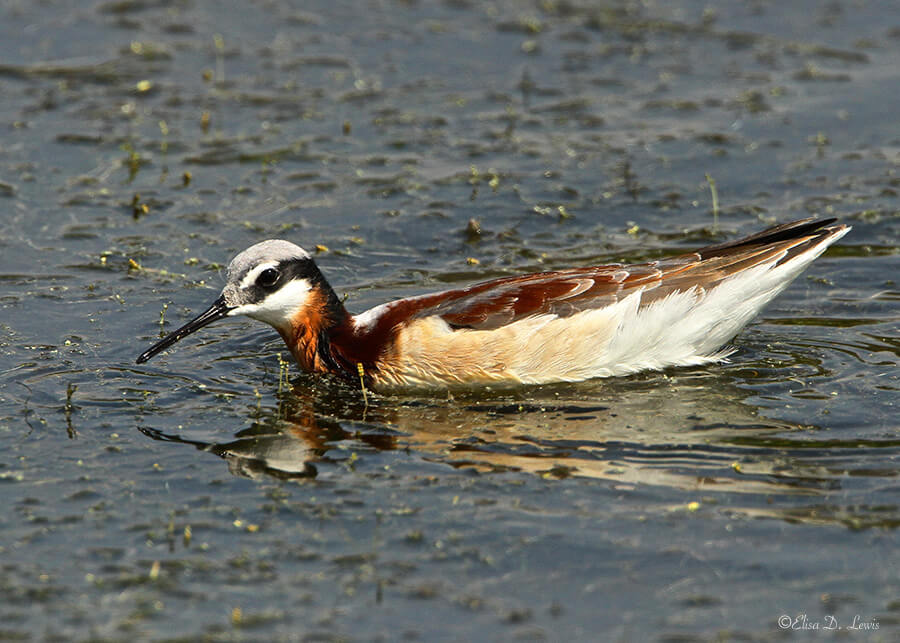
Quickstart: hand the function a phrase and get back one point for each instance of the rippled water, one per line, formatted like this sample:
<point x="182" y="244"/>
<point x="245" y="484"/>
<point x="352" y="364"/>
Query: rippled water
<point x="202" y="496"/>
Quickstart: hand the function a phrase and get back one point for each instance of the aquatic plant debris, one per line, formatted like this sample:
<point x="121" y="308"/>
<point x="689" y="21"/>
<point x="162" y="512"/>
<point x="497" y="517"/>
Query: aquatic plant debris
<point x="521" y="510"/>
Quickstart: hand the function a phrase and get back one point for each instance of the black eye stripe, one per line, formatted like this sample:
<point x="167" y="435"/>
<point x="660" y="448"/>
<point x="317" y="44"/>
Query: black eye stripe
<point x="275" y="276"/>
<point x="298" y="269"/>
<point x="268" y="278"/>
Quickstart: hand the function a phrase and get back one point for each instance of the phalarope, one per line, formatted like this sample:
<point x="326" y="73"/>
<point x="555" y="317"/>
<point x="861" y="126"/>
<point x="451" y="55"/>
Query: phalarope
<point x="558" y="326"/>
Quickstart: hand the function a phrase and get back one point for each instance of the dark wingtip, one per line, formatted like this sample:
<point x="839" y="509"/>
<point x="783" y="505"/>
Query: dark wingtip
<point x="774" y="234"/>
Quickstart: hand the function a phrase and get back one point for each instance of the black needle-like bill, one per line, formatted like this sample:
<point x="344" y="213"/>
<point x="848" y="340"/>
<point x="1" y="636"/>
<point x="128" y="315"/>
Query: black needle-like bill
<point x="218" y="310"/>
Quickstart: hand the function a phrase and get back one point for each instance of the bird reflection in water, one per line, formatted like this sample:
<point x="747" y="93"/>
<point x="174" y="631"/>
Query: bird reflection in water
<point x="694" y="431"/>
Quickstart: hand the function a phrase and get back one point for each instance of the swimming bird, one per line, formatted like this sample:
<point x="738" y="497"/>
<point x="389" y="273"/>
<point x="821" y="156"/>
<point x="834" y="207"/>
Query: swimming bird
<point x="557" y="326"/>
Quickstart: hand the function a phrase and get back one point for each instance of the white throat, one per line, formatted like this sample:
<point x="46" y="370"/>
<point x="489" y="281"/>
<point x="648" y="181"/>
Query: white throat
<point x="281" y="306"/>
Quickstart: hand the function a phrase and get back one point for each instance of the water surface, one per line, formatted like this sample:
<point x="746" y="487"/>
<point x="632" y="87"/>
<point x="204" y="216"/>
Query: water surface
<point x="201" y="496"/>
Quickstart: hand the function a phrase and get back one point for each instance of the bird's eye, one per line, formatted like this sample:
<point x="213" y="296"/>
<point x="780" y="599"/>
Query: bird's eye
<point x="268" y="278"/>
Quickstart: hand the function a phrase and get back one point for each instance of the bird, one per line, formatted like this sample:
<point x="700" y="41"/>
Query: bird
<point x="558" y="326"/>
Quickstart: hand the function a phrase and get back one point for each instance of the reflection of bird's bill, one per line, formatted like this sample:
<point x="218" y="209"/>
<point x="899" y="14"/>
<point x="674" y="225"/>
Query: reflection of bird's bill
<point x="276" y="455"/>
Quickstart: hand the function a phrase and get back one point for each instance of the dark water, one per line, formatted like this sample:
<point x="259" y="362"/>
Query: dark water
<point x="145" y="143"/>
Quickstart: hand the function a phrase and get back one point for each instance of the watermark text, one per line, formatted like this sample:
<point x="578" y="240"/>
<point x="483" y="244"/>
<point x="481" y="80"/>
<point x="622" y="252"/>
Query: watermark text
<point x="827" y="622"/>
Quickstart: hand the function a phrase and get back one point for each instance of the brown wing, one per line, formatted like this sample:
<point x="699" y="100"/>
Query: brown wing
<point x="492" y="304"/>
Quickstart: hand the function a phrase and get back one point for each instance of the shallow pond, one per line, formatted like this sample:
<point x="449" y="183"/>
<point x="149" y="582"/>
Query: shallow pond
<point x="414" y="146"/>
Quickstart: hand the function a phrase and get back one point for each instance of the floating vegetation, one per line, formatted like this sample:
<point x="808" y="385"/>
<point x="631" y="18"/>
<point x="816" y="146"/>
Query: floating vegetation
<point x="752" y="101"/>
<point x="284" y="382"/>
<point x="615" y="104"/>
<point x="69" y="408"/>
<point x="715" y="201"/>
<point x="476" y="177"/>
<point x="133" y="161"/>
<point x="132" y="266"/>
<point x="473" y="230"/>
<point x="219" y="43"/>
<point x="102" y="73"/>
<point x="164" y="130"/>
<point x="138" y="209"/>
<point x="362" y="382"/>
<point x="162" y="318"/>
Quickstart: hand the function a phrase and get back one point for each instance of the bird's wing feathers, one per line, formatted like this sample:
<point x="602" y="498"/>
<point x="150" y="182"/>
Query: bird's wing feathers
<point x="490" y="305"/>
<point x="496" y="303"/>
